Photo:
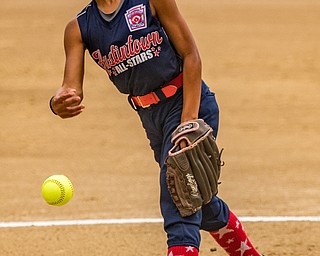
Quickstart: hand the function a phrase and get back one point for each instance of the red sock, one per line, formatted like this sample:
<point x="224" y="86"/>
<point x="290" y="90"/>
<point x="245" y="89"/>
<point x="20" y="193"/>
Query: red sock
<point x="233" y="239"/>
<point x="183" y="251"/>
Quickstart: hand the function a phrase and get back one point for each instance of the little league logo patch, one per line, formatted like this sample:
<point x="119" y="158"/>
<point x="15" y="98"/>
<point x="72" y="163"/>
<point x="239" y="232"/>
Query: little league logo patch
<point x="136" y="17"/>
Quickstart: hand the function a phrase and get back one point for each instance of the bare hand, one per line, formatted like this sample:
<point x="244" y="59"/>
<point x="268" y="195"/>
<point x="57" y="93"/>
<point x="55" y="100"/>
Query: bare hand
<point x="66" y="103"/>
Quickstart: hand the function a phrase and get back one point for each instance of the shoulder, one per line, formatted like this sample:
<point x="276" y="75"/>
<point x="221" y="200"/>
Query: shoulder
<point x="72" y="26"/>
<point x="72" y="32"/>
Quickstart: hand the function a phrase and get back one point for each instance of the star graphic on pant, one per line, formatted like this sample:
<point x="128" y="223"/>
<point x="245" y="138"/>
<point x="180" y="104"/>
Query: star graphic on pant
<point x="221" y="232"/>
<point x="230" y="241"/>
<point x="189" y="249"/>
<point x="237" y="224"/>
<point x="244" y="247"/>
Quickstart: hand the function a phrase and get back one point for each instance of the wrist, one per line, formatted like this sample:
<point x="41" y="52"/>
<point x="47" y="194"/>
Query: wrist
<point x="189" y="117"/>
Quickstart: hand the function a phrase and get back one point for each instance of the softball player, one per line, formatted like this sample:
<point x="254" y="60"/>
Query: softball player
<point x="149" y="53"/>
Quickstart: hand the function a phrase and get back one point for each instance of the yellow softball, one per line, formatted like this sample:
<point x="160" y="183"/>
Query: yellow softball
<point x="57" y="190"/>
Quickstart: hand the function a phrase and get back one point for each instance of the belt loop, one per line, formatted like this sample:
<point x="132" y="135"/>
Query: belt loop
<point x="130" y="100"/>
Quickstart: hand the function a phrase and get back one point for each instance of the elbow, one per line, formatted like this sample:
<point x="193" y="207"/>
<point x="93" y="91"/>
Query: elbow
<point x="193" y="58"/>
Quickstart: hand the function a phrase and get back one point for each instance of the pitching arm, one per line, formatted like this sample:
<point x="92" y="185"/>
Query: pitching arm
<point x="67" y="101"/>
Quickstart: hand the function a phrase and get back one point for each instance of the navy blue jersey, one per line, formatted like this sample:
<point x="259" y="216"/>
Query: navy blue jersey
<point x="133" y="48"/>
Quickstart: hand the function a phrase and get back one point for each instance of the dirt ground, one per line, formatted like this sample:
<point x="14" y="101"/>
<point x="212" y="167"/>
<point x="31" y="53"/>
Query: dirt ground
<point x="262" y="58"/>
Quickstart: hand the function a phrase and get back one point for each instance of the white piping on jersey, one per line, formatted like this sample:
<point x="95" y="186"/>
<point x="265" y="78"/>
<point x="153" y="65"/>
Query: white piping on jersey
<point x="84" y="11"/>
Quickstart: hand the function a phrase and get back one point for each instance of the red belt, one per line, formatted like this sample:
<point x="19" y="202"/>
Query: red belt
<point x="156" y="96"/>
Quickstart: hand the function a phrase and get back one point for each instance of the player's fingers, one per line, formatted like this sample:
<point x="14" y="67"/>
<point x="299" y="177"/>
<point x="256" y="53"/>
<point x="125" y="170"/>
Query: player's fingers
<point x="183" y="143"/>
<point x="59" y="105"/>
<point x="71" y="101"/>
<point x="63" y="96"/>
<point x="72" y="111"/>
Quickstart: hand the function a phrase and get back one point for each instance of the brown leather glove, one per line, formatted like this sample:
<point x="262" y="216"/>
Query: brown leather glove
<point x="193" y="172"/>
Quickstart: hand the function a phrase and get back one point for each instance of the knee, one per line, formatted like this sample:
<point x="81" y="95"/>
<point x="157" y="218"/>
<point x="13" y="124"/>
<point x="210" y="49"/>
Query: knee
<point x="215" y="215"/>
